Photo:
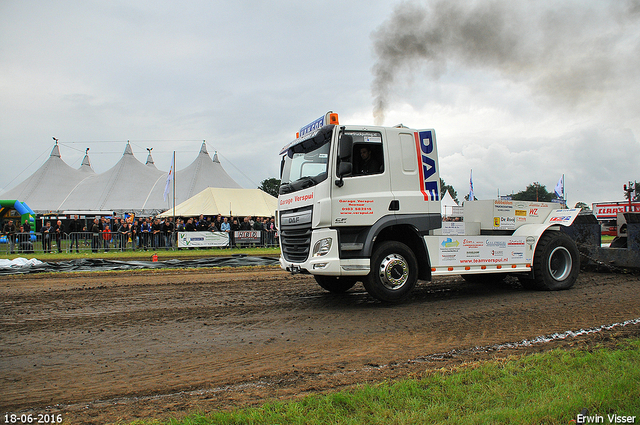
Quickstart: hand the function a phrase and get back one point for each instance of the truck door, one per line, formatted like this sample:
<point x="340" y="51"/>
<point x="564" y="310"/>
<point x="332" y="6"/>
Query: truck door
<point x="365" y="193"/>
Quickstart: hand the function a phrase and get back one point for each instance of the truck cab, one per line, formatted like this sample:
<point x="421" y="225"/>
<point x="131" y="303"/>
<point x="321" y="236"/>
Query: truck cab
<point x="362" y="203"/>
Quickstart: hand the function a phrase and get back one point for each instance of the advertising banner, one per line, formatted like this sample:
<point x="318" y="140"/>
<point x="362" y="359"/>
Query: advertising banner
<point x="610" y="210"/>
<point x="202" y="239"/>
<point x="247" y="236"/>
<point x="473" y="250"/>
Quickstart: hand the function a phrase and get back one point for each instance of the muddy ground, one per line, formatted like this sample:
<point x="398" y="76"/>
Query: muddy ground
<point x="107" y="347"/>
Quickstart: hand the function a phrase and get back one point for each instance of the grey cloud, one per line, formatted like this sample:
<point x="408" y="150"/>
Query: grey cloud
<point x="571" y="53"/>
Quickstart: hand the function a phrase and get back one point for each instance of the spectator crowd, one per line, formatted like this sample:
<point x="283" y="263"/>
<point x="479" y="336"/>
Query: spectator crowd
<point x="129" y="232"/>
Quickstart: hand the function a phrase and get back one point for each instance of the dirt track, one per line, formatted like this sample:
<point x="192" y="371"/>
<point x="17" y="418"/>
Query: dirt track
<point x="119" y="346"/>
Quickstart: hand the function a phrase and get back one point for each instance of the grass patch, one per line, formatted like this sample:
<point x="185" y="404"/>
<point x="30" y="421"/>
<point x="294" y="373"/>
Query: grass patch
<point x="146" y="255"/>
<point x="551" y="387"/>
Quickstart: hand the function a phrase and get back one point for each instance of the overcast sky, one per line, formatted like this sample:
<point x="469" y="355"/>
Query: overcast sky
<point x="519" y="91"/>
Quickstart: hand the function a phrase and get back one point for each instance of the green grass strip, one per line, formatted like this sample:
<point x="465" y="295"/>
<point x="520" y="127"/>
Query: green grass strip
<point x="114" y="254"/>
<point x="545" y="388"/>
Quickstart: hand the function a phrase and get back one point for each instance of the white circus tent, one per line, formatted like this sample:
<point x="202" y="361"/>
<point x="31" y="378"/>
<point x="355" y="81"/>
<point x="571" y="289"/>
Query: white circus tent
<point x="128" y="187"/>
<point x="49" y="184"/>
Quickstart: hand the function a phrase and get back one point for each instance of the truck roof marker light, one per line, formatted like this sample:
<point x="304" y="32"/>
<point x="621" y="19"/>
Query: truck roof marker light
<point x="483" y="267"/>
<point x="467" y="268"/>
<point x="528" y="265"/>
<point x="499" y="267"/>
<point x="333" y="119"/>
<point x="513" y="266"/>
<point x="450" y="269"/>
<point x="433" y="269"/>
<point x="297" y="134"/>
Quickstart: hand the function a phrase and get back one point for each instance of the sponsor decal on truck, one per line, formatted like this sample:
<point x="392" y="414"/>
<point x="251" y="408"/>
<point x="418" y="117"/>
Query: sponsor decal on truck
<point x="427" y="166"/>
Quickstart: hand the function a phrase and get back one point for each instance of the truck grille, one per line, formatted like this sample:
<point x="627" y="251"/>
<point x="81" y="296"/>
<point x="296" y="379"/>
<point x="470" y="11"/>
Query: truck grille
<point x="296" y="243"/>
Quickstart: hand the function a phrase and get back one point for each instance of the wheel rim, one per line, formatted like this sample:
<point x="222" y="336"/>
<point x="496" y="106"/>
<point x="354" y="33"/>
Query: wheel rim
<point x="560" y="263"/>
<point x="394" y="272"/>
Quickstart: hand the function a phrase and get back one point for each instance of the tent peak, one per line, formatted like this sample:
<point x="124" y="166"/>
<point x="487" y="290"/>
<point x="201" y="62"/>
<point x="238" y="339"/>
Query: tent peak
<point x="127" y="149"/>
<point x="149" y="159"/>
<point x="215" y="157"/>
<point x="85" y="161"/>
<point x="203" y="148"/>
<point x="56" y="150"/>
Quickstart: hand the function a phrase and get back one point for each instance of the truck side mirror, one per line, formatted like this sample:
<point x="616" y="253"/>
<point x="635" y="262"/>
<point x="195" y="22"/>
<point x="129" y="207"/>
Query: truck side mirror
<point x="344" y="164"/>
<point x="343" y="169"/>
<point x="346" y="146"/>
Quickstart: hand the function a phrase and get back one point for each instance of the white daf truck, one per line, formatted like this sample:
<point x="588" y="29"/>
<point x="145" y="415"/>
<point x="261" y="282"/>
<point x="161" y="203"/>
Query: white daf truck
<point x="362" y="203"/>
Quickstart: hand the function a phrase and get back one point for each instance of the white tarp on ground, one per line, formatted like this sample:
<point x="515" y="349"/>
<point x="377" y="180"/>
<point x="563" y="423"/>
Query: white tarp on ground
<point x="227" y="202"/>
<point x="17" y="263"/>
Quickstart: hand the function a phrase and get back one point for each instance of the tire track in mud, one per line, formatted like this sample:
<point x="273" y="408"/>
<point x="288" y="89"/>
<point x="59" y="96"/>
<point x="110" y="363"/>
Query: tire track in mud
<point x="77" y="340"/>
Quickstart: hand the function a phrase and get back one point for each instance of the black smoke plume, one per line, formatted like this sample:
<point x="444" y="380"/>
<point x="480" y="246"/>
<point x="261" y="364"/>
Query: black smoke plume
<point x="572" y="52"/>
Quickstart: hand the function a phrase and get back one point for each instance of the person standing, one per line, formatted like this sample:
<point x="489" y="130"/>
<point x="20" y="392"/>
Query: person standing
<point x="46" y="237"/>
<point x="59" y="232"/>
<point x="124" y="232"/>
<point x="26" y="226"/>
<point x="234" y="227"/>
<point x="168" y="229"/>
<point x="225" y="227"/>
<point x="9" y="230"/>
<point x="146" y="232"/>
<point x="106" y="237"/>
<point x="139" y="233"/>
<point x="156" y="232"/>
<point x="95" y="232"/>
<point x="270" y="228"/>
<point x="75" y="227"/>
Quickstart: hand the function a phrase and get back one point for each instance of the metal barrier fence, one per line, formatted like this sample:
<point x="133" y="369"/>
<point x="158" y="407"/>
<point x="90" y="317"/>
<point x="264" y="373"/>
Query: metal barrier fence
<point x="35" y="242"/>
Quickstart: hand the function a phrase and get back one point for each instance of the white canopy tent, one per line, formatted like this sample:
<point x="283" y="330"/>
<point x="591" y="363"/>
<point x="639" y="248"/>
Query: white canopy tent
<point x="447" y="205"/>
<point x="227" y="202"/>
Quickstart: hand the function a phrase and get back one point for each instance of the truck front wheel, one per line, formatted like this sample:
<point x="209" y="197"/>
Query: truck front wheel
<point x="394" y="272"/>
<point x="336" y="284"/>
<point x="556" y="262"/>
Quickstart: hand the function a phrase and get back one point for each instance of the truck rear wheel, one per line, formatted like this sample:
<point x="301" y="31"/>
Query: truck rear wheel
<point x="336" y="284"/>
<point x="394" y="272"/>
<point x="556" y="262"/>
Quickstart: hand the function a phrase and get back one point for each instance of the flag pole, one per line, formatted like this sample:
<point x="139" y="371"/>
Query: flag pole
<point x="564" y="192"/>
<point x="175" y="225"/>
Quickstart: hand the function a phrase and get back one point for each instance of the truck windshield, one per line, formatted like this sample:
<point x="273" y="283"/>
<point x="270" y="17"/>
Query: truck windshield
<point x="305" y="164"/>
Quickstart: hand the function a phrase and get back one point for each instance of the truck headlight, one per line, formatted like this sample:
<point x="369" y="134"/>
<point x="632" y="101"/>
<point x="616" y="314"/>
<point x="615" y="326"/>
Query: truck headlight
<point x="322" y="247"/>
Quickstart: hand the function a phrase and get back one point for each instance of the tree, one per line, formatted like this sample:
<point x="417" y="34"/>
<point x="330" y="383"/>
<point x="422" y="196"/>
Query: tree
<point x="270" y="186"/>
<point x="534" y="192"/>
<point x="444" y="188"/>
<point x="582" y="206"/>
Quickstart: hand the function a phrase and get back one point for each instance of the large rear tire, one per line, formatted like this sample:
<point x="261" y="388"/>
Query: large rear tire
<point x="556" y="262"/>
<point x="336" y="284"/>
<point x="394" y="272"/>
